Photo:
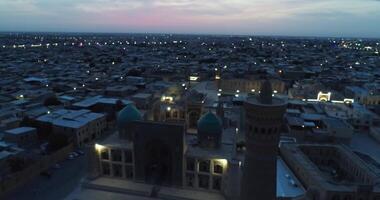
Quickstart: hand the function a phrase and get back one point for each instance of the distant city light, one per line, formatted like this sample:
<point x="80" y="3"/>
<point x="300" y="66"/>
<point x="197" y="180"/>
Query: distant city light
<point x="193" y="78"/>
<point x="167" y="98"/>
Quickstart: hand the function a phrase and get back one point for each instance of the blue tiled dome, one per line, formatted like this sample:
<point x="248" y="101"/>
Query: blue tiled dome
<point x="209" y="123"/>
<point x="128" y="114"/>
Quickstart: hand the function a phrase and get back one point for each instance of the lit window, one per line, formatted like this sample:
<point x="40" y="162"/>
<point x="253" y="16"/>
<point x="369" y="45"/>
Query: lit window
<point x="218" y="168"/>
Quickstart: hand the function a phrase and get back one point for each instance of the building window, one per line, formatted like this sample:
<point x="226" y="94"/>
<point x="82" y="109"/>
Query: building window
<point x="116" y="170"/>
<point x="203" y="181"/>
<point x="104" y="154"/>
<point x="128" y="156"/>
<point x="190" y="164"/>
<point x="129" y="172"/>
<point x="218" y="167"/>
<point x="189" y="180"/>
<point x="204" y="166"/>
<point x="106" y="168"/>
<point x="216" y="182"/>
<point x="116" y="155"/>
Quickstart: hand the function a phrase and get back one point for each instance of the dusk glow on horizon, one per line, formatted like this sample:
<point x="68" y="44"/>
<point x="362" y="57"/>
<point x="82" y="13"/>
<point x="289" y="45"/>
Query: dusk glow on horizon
<point x="356" y="18"/>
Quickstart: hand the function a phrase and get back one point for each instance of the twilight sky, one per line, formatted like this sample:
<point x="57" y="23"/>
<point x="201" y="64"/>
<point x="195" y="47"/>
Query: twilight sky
<point x="259" y="17"/>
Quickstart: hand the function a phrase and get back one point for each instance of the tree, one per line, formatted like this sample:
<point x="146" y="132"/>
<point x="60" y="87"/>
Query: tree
<point x="119" y="105"/>
<point x="52" y="101"/>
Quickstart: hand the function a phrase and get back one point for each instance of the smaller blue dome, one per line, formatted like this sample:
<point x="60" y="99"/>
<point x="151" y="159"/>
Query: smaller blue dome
<point x="209" y="123"/>
<point x="127" y="115"/>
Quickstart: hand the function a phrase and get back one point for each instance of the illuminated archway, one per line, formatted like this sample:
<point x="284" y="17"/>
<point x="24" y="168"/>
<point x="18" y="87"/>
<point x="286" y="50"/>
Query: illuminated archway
<point x="324" y="96"/>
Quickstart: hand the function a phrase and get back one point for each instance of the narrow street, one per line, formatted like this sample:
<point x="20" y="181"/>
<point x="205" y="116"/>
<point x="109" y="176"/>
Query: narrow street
<point x="61" y="183"/>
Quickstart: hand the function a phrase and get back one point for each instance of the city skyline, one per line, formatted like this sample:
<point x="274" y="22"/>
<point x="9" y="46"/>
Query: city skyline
<point x="334" y="18"/>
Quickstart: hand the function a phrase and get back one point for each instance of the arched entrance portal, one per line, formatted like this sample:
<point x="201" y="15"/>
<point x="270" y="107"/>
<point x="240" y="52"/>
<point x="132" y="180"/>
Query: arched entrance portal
<point x="158" y="163"/>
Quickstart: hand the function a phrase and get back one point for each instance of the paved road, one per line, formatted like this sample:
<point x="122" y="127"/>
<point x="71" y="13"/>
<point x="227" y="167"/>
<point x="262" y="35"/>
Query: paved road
<point x="62" y="182"/>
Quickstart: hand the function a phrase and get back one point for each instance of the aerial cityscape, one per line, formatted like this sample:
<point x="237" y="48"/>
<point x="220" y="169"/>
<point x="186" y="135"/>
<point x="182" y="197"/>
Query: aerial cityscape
<point x="159" y="111"/>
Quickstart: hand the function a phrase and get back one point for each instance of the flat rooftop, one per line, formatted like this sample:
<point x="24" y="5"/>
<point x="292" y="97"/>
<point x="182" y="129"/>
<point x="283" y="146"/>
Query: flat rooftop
<point x="20" y="130"/>
<point x="70" y="118"/>
<point x="287" y="183"/>
<point x="275" y="101"/>
<point x="88" y="102"/>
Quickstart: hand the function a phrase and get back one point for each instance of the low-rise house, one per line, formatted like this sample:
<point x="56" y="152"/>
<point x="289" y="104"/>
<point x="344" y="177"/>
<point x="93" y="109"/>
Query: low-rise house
<point x="80" y="126"/>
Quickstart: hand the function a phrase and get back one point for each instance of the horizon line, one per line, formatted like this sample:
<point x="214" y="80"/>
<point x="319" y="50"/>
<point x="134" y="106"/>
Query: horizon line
<point x="194" y="34"/>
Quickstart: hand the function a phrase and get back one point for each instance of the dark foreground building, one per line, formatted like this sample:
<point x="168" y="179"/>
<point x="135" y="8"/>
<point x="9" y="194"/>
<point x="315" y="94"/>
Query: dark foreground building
<point x="264" y="117"/>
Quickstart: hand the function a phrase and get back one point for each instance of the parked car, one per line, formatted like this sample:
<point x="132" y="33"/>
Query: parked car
<point x="71" y="157"/>
<point x="80" y="152"/>
<point x="75" y="154"/>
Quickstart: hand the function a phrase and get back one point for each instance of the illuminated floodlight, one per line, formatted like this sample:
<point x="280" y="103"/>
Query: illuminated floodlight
<point x="99" y="147"/>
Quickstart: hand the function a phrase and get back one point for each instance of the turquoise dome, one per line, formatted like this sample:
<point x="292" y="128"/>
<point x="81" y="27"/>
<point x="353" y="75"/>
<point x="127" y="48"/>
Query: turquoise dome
<point x="209" y="123"/>
<point x="128" y="114"/>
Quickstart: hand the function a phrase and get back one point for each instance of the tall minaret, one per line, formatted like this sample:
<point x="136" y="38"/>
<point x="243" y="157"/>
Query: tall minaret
<point x="263" y="120"/>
